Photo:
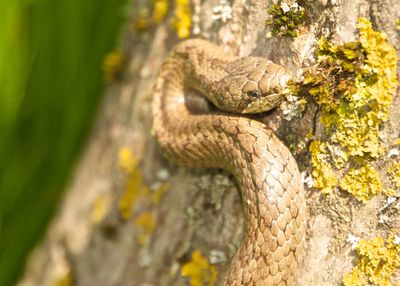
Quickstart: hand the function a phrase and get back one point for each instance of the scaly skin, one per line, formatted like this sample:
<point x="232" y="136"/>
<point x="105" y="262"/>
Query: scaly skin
<point x="267" y="174"/>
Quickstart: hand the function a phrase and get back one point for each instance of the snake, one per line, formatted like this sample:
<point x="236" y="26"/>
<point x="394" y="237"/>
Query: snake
<point x="273" y="198"/>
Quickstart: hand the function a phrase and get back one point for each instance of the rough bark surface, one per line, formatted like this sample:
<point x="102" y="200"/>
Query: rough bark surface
<point x="201" y="208"/>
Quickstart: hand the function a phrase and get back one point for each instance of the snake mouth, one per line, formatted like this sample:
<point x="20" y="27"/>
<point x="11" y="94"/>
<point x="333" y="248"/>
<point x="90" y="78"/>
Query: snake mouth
<point x="264" y="103"/>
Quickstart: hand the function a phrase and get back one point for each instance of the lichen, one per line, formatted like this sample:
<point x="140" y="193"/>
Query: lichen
<point x="394" y="173"/>
<point x="152" y="13"/>
<point x="160" y="10"/>
<point x="145" y="222"/>
<point x="377" y="260"/>
<point x="363" y="183"/>
<point x="66" y="279"/>
<point x="136" y="190"/>
<point x="324" y="177"/>
<point x="222" y="12"/>
<point x="127" y="162"/>
<point x="284" y="20"/>
<point x="149" y="14"/>
<point x="353" y="85"/>
<point x="182" y="21"/>
<point x="200" y="271"/>
<point x="100" y="208"/>
<point x="113" y="65"/>
<point x="158" y="193"/>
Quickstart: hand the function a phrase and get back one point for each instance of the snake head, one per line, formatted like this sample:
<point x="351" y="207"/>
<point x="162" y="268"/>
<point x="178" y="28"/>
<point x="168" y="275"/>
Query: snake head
<point x="252" y="85"/>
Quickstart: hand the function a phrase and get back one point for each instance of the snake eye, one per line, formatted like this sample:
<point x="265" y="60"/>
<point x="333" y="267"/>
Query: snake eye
<point x="254" y="93"/>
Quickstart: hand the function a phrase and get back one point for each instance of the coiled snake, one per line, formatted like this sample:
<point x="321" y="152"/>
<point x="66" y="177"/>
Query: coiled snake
<point x="267" y="174"/>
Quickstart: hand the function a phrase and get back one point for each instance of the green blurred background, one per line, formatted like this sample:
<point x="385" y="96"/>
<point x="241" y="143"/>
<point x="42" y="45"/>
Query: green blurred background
<point x="51" y="53"/>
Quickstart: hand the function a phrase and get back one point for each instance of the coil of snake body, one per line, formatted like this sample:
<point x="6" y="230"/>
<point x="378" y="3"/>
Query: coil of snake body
<point x="266" y="173"/>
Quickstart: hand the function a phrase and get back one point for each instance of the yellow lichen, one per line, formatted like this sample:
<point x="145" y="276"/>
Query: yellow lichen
<point x="160" y="10"/>
<point x="394" y="173"/>
<point x="377" y="261"/>
<point x="324" y="178"/>
<point x="353" y="84"/>
<point x="64" y="280"/>
<point x="134" y="190"/>
<point x="200" y="271"/>
<point x="113" y="65"/>
<point x="157" y="194"/>
<point x="100" y="208"/>
<point x="182" y="21"/>
<point x="146" y="223"/>
<point x="355" y="278"/>
<point x="127" y="161"/>
<point x="363" y="183"/>
<point x="142" y="21"/>
<point x="150" y="13"/>
<point x="381" y="60"/>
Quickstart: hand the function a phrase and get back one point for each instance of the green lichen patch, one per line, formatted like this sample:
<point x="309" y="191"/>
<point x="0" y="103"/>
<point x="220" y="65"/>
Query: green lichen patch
<point x="285" y="20"/>
<point x="377" y="261"/>
<point x="353" y="86"/>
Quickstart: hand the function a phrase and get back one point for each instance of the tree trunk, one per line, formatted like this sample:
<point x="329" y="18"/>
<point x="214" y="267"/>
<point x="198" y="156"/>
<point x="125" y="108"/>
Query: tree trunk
<point x="132" y="218"/>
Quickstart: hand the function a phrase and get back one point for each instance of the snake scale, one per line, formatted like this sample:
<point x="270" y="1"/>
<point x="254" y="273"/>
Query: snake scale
<point x="266" y="173"/>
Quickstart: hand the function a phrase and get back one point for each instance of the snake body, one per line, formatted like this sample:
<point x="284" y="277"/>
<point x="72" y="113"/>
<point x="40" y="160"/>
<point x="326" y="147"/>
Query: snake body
<point x="267" y="174"/>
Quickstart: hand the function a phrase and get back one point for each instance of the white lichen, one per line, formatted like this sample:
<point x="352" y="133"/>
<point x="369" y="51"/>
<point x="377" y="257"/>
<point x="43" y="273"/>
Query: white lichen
<point x="352" y="240"/>
<point x="222" y="12"/>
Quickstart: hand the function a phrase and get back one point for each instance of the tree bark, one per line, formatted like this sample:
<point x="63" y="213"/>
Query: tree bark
<point x="96" y="244"/>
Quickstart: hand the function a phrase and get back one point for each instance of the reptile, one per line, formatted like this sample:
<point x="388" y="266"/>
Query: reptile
<point x="273" y="199"/>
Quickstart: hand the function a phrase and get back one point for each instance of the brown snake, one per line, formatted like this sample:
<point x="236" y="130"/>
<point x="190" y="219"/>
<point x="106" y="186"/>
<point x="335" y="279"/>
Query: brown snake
<point x="267" y="174"/>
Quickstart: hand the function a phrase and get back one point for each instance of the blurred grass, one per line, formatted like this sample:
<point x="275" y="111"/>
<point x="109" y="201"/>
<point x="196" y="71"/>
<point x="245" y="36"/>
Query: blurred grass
<point x="51" y="54"/>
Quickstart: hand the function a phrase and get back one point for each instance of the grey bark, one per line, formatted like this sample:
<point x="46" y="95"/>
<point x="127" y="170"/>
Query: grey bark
<point x="201" y="208"/>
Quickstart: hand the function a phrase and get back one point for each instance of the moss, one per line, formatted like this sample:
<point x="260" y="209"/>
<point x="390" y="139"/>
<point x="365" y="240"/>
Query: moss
<point x="377" y="260"/>
<point x="200" y="271"/>
<point x="353" y="85"/>
<point x="285" y="20"/>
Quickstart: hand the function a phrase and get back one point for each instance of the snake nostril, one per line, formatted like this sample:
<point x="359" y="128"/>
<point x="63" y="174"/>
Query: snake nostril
<point x="254" y="93"/>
